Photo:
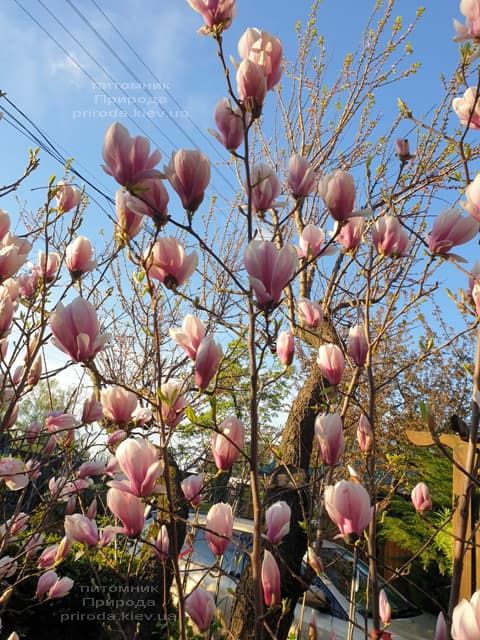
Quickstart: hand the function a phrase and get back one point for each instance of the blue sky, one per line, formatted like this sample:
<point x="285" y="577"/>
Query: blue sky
<point x="55" y="93"/>
<point x="44" y="82"/>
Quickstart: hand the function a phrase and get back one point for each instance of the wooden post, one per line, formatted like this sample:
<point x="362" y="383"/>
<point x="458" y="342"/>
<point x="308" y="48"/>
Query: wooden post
<point x="471" y="566"/>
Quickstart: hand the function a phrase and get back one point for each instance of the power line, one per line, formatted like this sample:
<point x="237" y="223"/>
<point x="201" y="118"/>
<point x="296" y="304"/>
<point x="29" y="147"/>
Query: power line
<point x="127" y="68"/>
<point x="145" y="89"/>
<point x="47" y="145"/>
<point x="82" y="69"/>
<point x="155" y="77"/>
<point x="51" y="142"/>
<point x="94" y="81"/>
<point x="102" y="68"/>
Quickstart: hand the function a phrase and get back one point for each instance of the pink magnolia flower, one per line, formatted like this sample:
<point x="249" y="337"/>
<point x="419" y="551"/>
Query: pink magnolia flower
<point x="142" y="416"/>
<point x="27" y="285"/>
<point x="60" y="588"/>
<point x="92" y="410"/>
<point x="138" y="460"/>
<point x="4" y="223"/>
<point x="8" y="567"/>
<point x="270" y="580"/>
<point x="48" y="266"/>
<point x="47" y="557"/>
<point x="348" y="505"/>
<point x="329" y="434"/>
<point x="167" y="261"/>
<point x="200" y="606"/>
<point x="81" y="529"/>
<point x="173" y="403"/>
<point x="49" y="447"/>
<point x="285" y="347"/>
<point x="472" y="193"/>
<point x="162" y="543"/>
<point x="219" y="527"/>
<point x="150" y="199"/>
<point x="54" y="554"/>
<point x="71" y="505"/>
<point x="466" y="619"/>
<point x="217" y="14"/>
<point x="14" y="473"/>
<point x="115" y="438"/>
<point x="7" y="310"/>
<point x="302" y="179"/>
<point x="92" y="509"/>
<point x="189" y="336"/>
<point x="251" y="86"/>
<point x="331" y="362"/>
<point x="265" y="50"/>
<point x="468" y="109"/>
<point x="207" y="361"/>
<point x="13" y="255"/>
<point x="385" y="610"/>
<point x="390" y="238"/>
<point x="11" y="285"/>
<point x="277" y="517"/>
<point x="129" y="223"/>
<point x="33" y="545"/>
<point x="228" y="443"/>
<point x="471" y="29"/>
<point x="68" y="196"/>
<point x="421" y="498"/>
<point x="440" y="628"/>
<point x="57" y="422"/>
<point x="192" y="488"/>
<point x="63" y="490"/>
<point x="45" y="583"/>
<point x="12" y="526"/>
<point x="402" y="149"/>
<point x="364" y="434"/>
<point x="229" y="121"/>
<point x="189" y="174"/>
<point x="350" y="235"/>
<point x="449" y="230"/>
<point x="476" y="298"/>
<point x="269" y="270"/>
<point x="311" y="313"/>
<point x="118" y="404"/>
<point x="265" y="187"/>
<point x="357" y="344"/>
<point x="91" y="468"/>
<point x="127" y="508"/>
<point x="17" y="523"/>
<point x="108" y="534"/>
<point x="127" y="158"/>
<point x="337" y="190"/>
<point x="34" y="372"/>
<point x="79" y="257"/>
<point x="311" y="242"/>
<point x="76" y="330"/>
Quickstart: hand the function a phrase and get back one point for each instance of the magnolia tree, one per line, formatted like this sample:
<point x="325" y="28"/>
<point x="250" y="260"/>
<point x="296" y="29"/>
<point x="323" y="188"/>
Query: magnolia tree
<point x="186" y="330"/>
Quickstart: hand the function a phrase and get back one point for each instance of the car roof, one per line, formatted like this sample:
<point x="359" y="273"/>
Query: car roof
<point x="245" y="525"/>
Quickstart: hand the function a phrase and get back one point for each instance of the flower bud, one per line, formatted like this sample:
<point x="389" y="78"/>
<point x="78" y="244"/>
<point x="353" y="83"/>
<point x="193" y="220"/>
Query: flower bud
<point x="285" y="348"/>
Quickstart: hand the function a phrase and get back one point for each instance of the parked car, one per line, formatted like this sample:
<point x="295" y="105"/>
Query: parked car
<point x="327" y="599"/>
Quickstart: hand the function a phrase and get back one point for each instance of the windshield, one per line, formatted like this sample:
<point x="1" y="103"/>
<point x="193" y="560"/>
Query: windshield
<point x="338" y="565"/>
<point x="233" y="559"/>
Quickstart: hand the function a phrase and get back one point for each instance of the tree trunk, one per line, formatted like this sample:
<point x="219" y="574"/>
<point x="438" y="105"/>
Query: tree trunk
<point x="287" y="483"/>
